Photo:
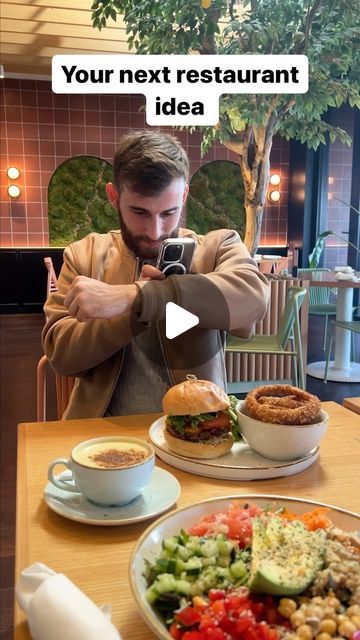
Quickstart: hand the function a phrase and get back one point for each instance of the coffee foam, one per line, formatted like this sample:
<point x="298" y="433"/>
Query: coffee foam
<point x="112" y="454"/>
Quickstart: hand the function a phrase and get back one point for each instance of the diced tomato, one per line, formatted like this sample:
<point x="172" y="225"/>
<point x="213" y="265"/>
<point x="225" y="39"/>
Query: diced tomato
<point x="243" y="623"/>
<point x="235" y="522"/>
<point x="271" y="615"/>
<point x="188" y="616"/>
<point x="273" y="634"/>
<point x="176" y="631"/>
<point x="215" y="634"/>
<point x="251" y="633"/>
<point x="216" y="594"/>
<point x="257" y="608"/>
<point x="234" y="615"/>
<point x="193" y="635"/>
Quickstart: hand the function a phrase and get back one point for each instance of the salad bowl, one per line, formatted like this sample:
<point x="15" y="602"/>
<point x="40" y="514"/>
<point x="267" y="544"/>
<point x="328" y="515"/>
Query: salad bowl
<point x="149" y="545"/>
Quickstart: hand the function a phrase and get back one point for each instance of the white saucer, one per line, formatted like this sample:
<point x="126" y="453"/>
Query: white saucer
<point x="241" y="463"/>
<point x="160" y="494"/>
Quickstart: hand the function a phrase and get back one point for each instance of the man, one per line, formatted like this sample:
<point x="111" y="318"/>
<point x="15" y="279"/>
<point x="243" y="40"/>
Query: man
<point x="105" y="325"/>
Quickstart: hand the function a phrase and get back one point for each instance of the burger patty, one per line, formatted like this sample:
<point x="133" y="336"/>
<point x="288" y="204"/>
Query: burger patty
<point x="198" y="435"/>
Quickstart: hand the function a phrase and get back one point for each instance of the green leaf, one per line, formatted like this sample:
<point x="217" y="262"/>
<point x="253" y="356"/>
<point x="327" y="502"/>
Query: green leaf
<point x="315" y="255"/>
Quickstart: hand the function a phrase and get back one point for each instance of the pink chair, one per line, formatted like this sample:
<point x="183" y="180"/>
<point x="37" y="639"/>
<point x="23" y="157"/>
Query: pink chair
<point x="52" y="282"/>
<point x="64" y="385"/>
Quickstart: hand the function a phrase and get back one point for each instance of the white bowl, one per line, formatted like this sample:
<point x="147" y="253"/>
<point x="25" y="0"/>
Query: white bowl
<point x="281" y="441"/>
<point x="149" y="546"/>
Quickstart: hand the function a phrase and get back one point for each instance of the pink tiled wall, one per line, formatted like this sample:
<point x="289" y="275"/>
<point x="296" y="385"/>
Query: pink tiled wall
<point x="40" y="130"/>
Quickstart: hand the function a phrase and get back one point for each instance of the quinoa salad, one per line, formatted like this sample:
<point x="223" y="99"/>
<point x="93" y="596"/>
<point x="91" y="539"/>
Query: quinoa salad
<point x="251" y="573"/>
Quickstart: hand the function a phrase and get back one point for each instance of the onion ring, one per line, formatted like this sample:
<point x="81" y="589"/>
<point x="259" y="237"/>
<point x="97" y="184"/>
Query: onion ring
<point x="282" y="404"/>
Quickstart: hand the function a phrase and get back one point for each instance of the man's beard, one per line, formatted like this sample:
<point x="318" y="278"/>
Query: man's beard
<point x="134" y="242"/>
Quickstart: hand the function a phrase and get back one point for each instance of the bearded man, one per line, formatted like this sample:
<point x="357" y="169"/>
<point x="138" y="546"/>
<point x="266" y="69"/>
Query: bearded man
<point x="105" y="324"/>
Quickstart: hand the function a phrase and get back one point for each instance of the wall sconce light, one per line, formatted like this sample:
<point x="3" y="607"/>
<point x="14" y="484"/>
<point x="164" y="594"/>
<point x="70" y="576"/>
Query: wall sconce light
<point x="13" y="191"/>
<point x="274" y="196"/>
<point x="275" y="179"/>
<point x="2" y="71"/>
<point x="13" y="173"/>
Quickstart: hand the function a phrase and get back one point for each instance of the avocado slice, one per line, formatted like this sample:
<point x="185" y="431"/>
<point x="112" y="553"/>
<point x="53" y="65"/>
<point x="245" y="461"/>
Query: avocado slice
<point x="285" y="556"/>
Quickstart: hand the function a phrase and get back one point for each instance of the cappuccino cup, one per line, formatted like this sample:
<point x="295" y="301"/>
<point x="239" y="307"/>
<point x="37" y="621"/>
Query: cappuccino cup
<point x="109" y="471"/>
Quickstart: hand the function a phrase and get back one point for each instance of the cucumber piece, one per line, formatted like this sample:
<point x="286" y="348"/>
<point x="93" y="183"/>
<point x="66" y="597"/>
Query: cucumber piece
<point x="183" y="552"/>
<point x="165" y="582"/>
<point x="151" y="594"/>
<point x="171" y="544"/>
<point x="193" y="566"/>
<point x="209" y="548"/>
<point x="238" y="569"/>
<point x="184" y="587"/>
<point x="223" y="561"/>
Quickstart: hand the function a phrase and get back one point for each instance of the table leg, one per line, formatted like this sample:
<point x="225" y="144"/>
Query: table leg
<point x="341" y="369"/>
<point x="343" y="337"/>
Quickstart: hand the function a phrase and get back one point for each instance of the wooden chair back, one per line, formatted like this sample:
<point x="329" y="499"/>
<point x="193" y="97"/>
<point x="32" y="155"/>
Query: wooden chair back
<point x="64" y="386"/>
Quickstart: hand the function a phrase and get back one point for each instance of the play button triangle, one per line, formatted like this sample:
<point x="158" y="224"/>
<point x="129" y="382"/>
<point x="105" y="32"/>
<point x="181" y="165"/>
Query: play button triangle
<point x="178" y="320"/>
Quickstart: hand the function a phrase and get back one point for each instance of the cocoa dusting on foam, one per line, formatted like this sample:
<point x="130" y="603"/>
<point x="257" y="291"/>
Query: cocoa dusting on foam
<point x="114" y="458"/>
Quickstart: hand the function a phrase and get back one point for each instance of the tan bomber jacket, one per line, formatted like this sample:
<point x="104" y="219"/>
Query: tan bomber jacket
<point x="225" y="290"/>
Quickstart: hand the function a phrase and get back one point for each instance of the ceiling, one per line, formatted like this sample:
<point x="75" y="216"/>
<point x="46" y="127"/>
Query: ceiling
<point x="32" y="31"/>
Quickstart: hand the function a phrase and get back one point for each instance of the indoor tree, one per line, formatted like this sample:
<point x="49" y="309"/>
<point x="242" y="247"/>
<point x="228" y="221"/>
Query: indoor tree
<point x="327" y="32"/>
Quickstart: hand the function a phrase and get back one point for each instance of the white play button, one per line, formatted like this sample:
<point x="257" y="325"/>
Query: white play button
<point x="178" y="320"/>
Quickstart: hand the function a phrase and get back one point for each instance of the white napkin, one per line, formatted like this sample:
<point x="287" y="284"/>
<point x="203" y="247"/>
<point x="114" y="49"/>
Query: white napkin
<point x="58" y="610"/>
<point x="340" y="275"/>
<point x="344" y="269"/>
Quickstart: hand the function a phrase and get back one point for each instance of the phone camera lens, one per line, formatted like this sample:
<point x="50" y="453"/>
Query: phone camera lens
<point x="173" y="253"/>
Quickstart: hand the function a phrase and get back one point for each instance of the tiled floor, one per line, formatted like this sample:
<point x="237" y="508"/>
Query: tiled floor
<point x="20" y="350"/>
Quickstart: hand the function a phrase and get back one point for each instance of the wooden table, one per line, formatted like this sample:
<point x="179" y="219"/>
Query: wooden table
<point x="96" y="558"/>
<point x="352" y="403"/>
<point x="341" y="369"/>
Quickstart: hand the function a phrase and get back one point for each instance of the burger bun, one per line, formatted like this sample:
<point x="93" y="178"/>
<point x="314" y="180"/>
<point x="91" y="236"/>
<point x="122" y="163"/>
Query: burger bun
<point x="193" y="397"/>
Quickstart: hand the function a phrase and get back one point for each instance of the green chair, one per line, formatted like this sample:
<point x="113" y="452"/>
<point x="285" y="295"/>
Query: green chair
<point x="353" y="326"/>
<point x="289" y="329"/>
<point x="319" y="304"/>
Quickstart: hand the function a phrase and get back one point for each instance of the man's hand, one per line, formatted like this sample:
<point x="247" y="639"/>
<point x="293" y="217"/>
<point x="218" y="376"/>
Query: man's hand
<point x="88" y="299"/>
<point x="148" y="272"/>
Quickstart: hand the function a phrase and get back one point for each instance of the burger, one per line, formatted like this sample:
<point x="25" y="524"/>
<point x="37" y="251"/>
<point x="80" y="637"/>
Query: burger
<point x="198" y="420"/>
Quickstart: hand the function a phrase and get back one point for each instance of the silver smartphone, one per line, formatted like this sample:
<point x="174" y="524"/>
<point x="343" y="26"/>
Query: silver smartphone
<point x="175" y="256"/>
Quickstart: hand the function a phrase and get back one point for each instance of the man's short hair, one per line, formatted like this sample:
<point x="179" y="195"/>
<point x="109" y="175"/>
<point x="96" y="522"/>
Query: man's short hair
<point x="148" y="161"/>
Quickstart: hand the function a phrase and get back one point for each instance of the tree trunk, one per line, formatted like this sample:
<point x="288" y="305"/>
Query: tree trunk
<point x="255" y="169"/>
<point x="254" y="215"/>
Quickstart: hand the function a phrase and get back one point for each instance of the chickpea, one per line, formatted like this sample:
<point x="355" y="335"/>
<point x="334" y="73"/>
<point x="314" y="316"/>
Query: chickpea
<point x="318" y="600"/>
<point x="315" y="611"/>
<point x="329" y="626"/>
<point x="297" y="619"/>
<point x="332" y="601"/>
<point x="353" y="610"/>
<point x="329" y="612"/>
<point x="355" y="619"/>
<point x="346" y="628"/>
<point x="287" y="607"/>
<point x="323" y="636"/>
<point x="340" y="618"/>
<point x="305" y="632"/>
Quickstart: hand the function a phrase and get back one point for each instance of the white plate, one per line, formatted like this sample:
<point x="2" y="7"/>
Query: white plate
<point x="160" y="494"/>
<point x="344" y="269"/>
<point x="241" y="463"/>
<point x="269" y="257"/>
<point x="149" y="545"/>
